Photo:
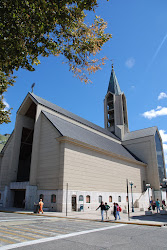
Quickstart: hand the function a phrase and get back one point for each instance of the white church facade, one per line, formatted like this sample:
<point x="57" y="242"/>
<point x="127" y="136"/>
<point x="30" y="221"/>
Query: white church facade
<point x="73" y="164"/>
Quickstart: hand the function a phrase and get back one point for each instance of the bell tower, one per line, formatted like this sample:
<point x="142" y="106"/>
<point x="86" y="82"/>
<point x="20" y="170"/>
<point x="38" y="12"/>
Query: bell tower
<point x="115" y="108"/>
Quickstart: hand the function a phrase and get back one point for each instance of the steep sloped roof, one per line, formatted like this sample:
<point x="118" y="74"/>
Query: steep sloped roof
<point x="72" y="116"/>
<point x="140" y="133"/>
<point x="76" y="132"/>
<point x="113" y="86"/>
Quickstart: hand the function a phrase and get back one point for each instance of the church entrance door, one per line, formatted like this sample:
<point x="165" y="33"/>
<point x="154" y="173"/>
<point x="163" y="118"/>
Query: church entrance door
<point x="19" y="198"/>
<point x="74" y="203"/>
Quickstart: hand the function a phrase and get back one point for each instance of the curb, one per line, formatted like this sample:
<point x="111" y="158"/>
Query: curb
<point x="142" y="224"/>
<point x="108" y="221"/>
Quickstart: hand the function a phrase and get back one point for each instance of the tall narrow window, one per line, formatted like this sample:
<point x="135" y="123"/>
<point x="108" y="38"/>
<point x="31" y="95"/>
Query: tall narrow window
<point x="81" y="198"/>
<point x="160" y="158"/>
<point x="23" y="172"/>
<point x="53" y="198"/>
<point x="88" y="199"/>
<point x="110" y="198"/>
<point x="119" y="198"/>
<point x="100" y="198"/>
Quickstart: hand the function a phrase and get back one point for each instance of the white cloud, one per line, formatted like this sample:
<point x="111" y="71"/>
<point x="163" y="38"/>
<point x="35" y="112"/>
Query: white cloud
<point x="7" y="105"/>
<point x="130" y="62"/>
<point x="159" y="111"/>
<point x="162" y="95"/>
<point x="165" y="148"/>
<point x="165" y="152"/>
<point x="163" y="135"/>
<point x="133" y="87"/>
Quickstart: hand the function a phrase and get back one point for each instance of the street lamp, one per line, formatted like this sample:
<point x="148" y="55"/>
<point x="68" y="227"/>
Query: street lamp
<point x="131" y="184"/>
<point x="148" y="186"/>
<point x="161" y="192"/>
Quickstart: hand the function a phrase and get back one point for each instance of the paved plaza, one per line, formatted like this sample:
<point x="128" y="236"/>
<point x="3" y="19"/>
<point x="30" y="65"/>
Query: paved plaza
<point x="80" y="231"/>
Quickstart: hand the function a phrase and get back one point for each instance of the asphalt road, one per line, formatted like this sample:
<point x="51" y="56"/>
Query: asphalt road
<point x="36" y="232"/>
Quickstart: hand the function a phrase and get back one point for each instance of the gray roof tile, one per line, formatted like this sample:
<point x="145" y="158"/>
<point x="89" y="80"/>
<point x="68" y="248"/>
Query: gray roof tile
<point x="76" y="132"/>
<point x="72" y="116"/>
<point x="140" y="133"/>
<point x="113" y="86"/>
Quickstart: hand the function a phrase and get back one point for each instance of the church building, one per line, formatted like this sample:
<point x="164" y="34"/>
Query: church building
<point x="74" y="164"/>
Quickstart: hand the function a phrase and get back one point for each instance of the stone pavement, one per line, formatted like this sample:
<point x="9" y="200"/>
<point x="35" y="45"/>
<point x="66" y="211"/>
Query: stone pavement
<point x="137" y="217"/>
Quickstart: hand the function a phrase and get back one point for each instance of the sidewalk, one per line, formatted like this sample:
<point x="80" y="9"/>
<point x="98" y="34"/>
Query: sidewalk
<point x="137" y="217"/>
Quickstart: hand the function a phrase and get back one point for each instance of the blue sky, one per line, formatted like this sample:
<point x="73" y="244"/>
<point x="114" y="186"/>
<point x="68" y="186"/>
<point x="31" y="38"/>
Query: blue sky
<point x="138" y="49"/>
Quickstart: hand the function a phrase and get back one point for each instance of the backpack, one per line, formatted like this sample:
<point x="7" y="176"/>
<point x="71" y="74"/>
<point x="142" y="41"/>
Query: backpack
<point x="107" y="207"/>
<point x="120" y="209"/>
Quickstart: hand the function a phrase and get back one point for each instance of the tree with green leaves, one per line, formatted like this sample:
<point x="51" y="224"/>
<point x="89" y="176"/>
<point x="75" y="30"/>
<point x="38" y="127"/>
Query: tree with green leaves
<point x="30" y="29"/>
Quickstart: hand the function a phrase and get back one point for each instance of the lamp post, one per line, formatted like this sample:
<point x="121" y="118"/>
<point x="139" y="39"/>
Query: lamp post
<point x="131" y="184"/>
<point x="148" y="187"/>
<point x="66" y="197"/>
<point x="161" y="192"/>
<point x="165" y="180"/>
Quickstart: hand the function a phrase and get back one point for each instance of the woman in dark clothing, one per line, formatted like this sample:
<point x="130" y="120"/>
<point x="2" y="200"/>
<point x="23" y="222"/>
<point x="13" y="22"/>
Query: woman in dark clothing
<point x="102" y="206"/>
<point x="115" y="211"/>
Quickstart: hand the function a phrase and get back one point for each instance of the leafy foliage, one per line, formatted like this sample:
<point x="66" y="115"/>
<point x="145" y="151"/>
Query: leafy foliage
<point x="3" y="140"/>
<point x="6" y="81"/>
<point x="32" y="28"/>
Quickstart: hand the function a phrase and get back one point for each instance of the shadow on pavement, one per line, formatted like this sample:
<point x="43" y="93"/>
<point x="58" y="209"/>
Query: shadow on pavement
<point x="153" y="217"/>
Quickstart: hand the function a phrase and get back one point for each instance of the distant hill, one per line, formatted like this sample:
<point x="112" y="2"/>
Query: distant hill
<point x="3" y="139"/>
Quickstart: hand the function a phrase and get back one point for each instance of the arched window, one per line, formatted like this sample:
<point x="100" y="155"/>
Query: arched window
<point x="110" y="198"/>
<point x="81" y="198"/>
<point x="119" y="198"/>
<point x="88" y="199"/>
<point x="41" y="197"/>
<point x="53" y="198"/>
<point x="100" y="198"/>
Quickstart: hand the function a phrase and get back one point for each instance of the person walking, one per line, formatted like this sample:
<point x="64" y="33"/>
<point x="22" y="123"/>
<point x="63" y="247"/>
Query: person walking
<point x="158" y="205"/>
<point x="40" y="206"/>
<point x="163" y="204"/>
<point x="153" y="205"/>
<point x="115" y="211"/>
<point x="102" y="206"/>
<point x="118" y="210"/>
<point x="107" y="207"/>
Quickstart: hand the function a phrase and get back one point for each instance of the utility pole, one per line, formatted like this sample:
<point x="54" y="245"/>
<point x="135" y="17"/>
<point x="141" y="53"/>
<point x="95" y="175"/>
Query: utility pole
<point x="127" y="198"/>
<point x="66" y="197"/>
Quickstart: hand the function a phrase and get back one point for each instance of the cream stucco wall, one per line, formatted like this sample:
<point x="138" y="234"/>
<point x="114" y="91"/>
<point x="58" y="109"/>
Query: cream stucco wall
<point x="5" y="164"/>
<point x="145" y="149"/>
<point x="89" y="170"/>
<point x="48" y="157"/>
<point x="49" y="174"/>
